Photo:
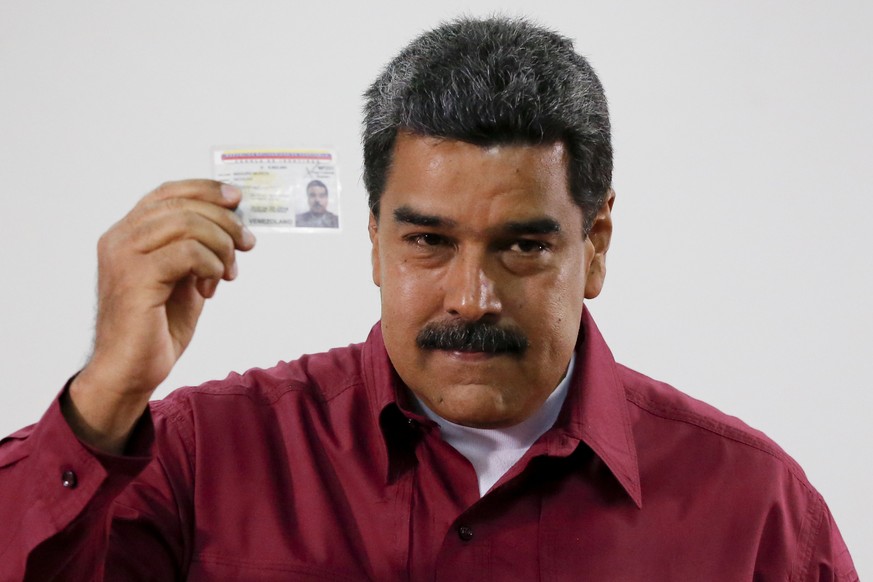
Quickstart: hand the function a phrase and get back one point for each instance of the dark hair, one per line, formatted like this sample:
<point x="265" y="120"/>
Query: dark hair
<point x="315" y="183"/>
<point x="488" y="82"/>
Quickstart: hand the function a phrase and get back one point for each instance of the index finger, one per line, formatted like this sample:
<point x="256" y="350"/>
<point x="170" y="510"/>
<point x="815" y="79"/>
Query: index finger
<point x="212" y="191"/>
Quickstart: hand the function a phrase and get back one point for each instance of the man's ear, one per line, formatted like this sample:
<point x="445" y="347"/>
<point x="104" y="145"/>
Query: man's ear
<point x="599" y="236"/>
<point x="373" y="229"/>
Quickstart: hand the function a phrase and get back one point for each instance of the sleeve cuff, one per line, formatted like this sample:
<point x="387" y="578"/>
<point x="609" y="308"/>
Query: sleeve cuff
<point x="70" y="474"/>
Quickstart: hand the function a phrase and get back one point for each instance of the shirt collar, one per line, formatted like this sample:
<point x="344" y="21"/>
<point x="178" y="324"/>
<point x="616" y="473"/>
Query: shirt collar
<point x="595" y="411"/>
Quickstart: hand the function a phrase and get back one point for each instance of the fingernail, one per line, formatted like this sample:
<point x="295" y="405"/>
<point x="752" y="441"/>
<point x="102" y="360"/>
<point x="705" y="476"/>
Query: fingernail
<point x="247" y="237"/>
<point x="231" y="193"/>
<point x="234" y="270"/>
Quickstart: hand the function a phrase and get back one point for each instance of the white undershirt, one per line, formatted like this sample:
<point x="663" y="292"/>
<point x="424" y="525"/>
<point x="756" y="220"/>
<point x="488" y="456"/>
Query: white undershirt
<point x="493" y="451"/>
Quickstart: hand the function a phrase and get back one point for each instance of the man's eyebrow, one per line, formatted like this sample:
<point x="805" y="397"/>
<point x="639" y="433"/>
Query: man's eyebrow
<point x="536" y="226"/>
<point x="407" y="215"/>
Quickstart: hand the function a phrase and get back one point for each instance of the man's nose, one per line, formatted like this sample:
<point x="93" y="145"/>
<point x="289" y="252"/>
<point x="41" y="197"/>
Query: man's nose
<point x="470" y="292"/>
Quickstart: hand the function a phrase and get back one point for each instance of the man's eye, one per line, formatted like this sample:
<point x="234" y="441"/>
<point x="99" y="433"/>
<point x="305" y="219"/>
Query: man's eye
<point x="426" y="240"/>
<point x="528" y="247"/>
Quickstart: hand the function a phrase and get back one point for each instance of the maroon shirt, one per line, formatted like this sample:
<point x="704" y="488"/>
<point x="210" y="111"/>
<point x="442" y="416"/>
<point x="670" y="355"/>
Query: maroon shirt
<point x="314" y="470"/>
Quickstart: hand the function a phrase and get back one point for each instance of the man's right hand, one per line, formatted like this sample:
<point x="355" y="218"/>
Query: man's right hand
<point x="156" y="267"/>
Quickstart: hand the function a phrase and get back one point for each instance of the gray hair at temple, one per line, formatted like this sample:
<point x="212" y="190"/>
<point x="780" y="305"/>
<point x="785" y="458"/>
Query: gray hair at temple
<point x="492" y="82"/>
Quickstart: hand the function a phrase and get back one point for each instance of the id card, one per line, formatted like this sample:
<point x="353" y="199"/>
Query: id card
<point x="283" y="189"/>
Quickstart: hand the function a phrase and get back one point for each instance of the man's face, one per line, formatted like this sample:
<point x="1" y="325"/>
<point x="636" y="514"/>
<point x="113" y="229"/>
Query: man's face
<point x="317" y="196"/>
<point x="491" y="236"/>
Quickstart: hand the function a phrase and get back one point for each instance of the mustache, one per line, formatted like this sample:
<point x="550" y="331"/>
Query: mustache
<point x="472" y="336"/>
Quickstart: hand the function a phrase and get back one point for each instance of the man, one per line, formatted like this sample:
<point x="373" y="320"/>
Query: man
<point x="483" y="430"/>
<point x="318" y="215"/>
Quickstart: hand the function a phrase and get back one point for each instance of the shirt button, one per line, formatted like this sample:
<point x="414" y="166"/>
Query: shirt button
<point x="412" y="423"/>
<point x="69" y="479"/>
<point x="465" y="533"/>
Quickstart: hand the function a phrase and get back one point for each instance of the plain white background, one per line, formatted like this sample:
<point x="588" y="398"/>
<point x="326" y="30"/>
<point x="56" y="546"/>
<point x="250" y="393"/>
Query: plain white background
<point x="740" y="270"/>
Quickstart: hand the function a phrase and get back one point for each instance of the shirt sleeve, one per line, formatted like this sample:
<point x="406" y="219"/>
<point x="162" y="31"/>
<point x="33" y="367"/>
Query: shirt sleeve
<point x="60" y="496"/>
<point x="829" y="559"/>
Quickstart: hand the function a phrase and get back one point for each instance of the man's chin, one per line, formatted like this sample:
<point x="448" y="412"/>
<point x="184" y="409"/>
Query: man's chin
<point x="476" y="389"/>
<point x="478" y="407"/>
